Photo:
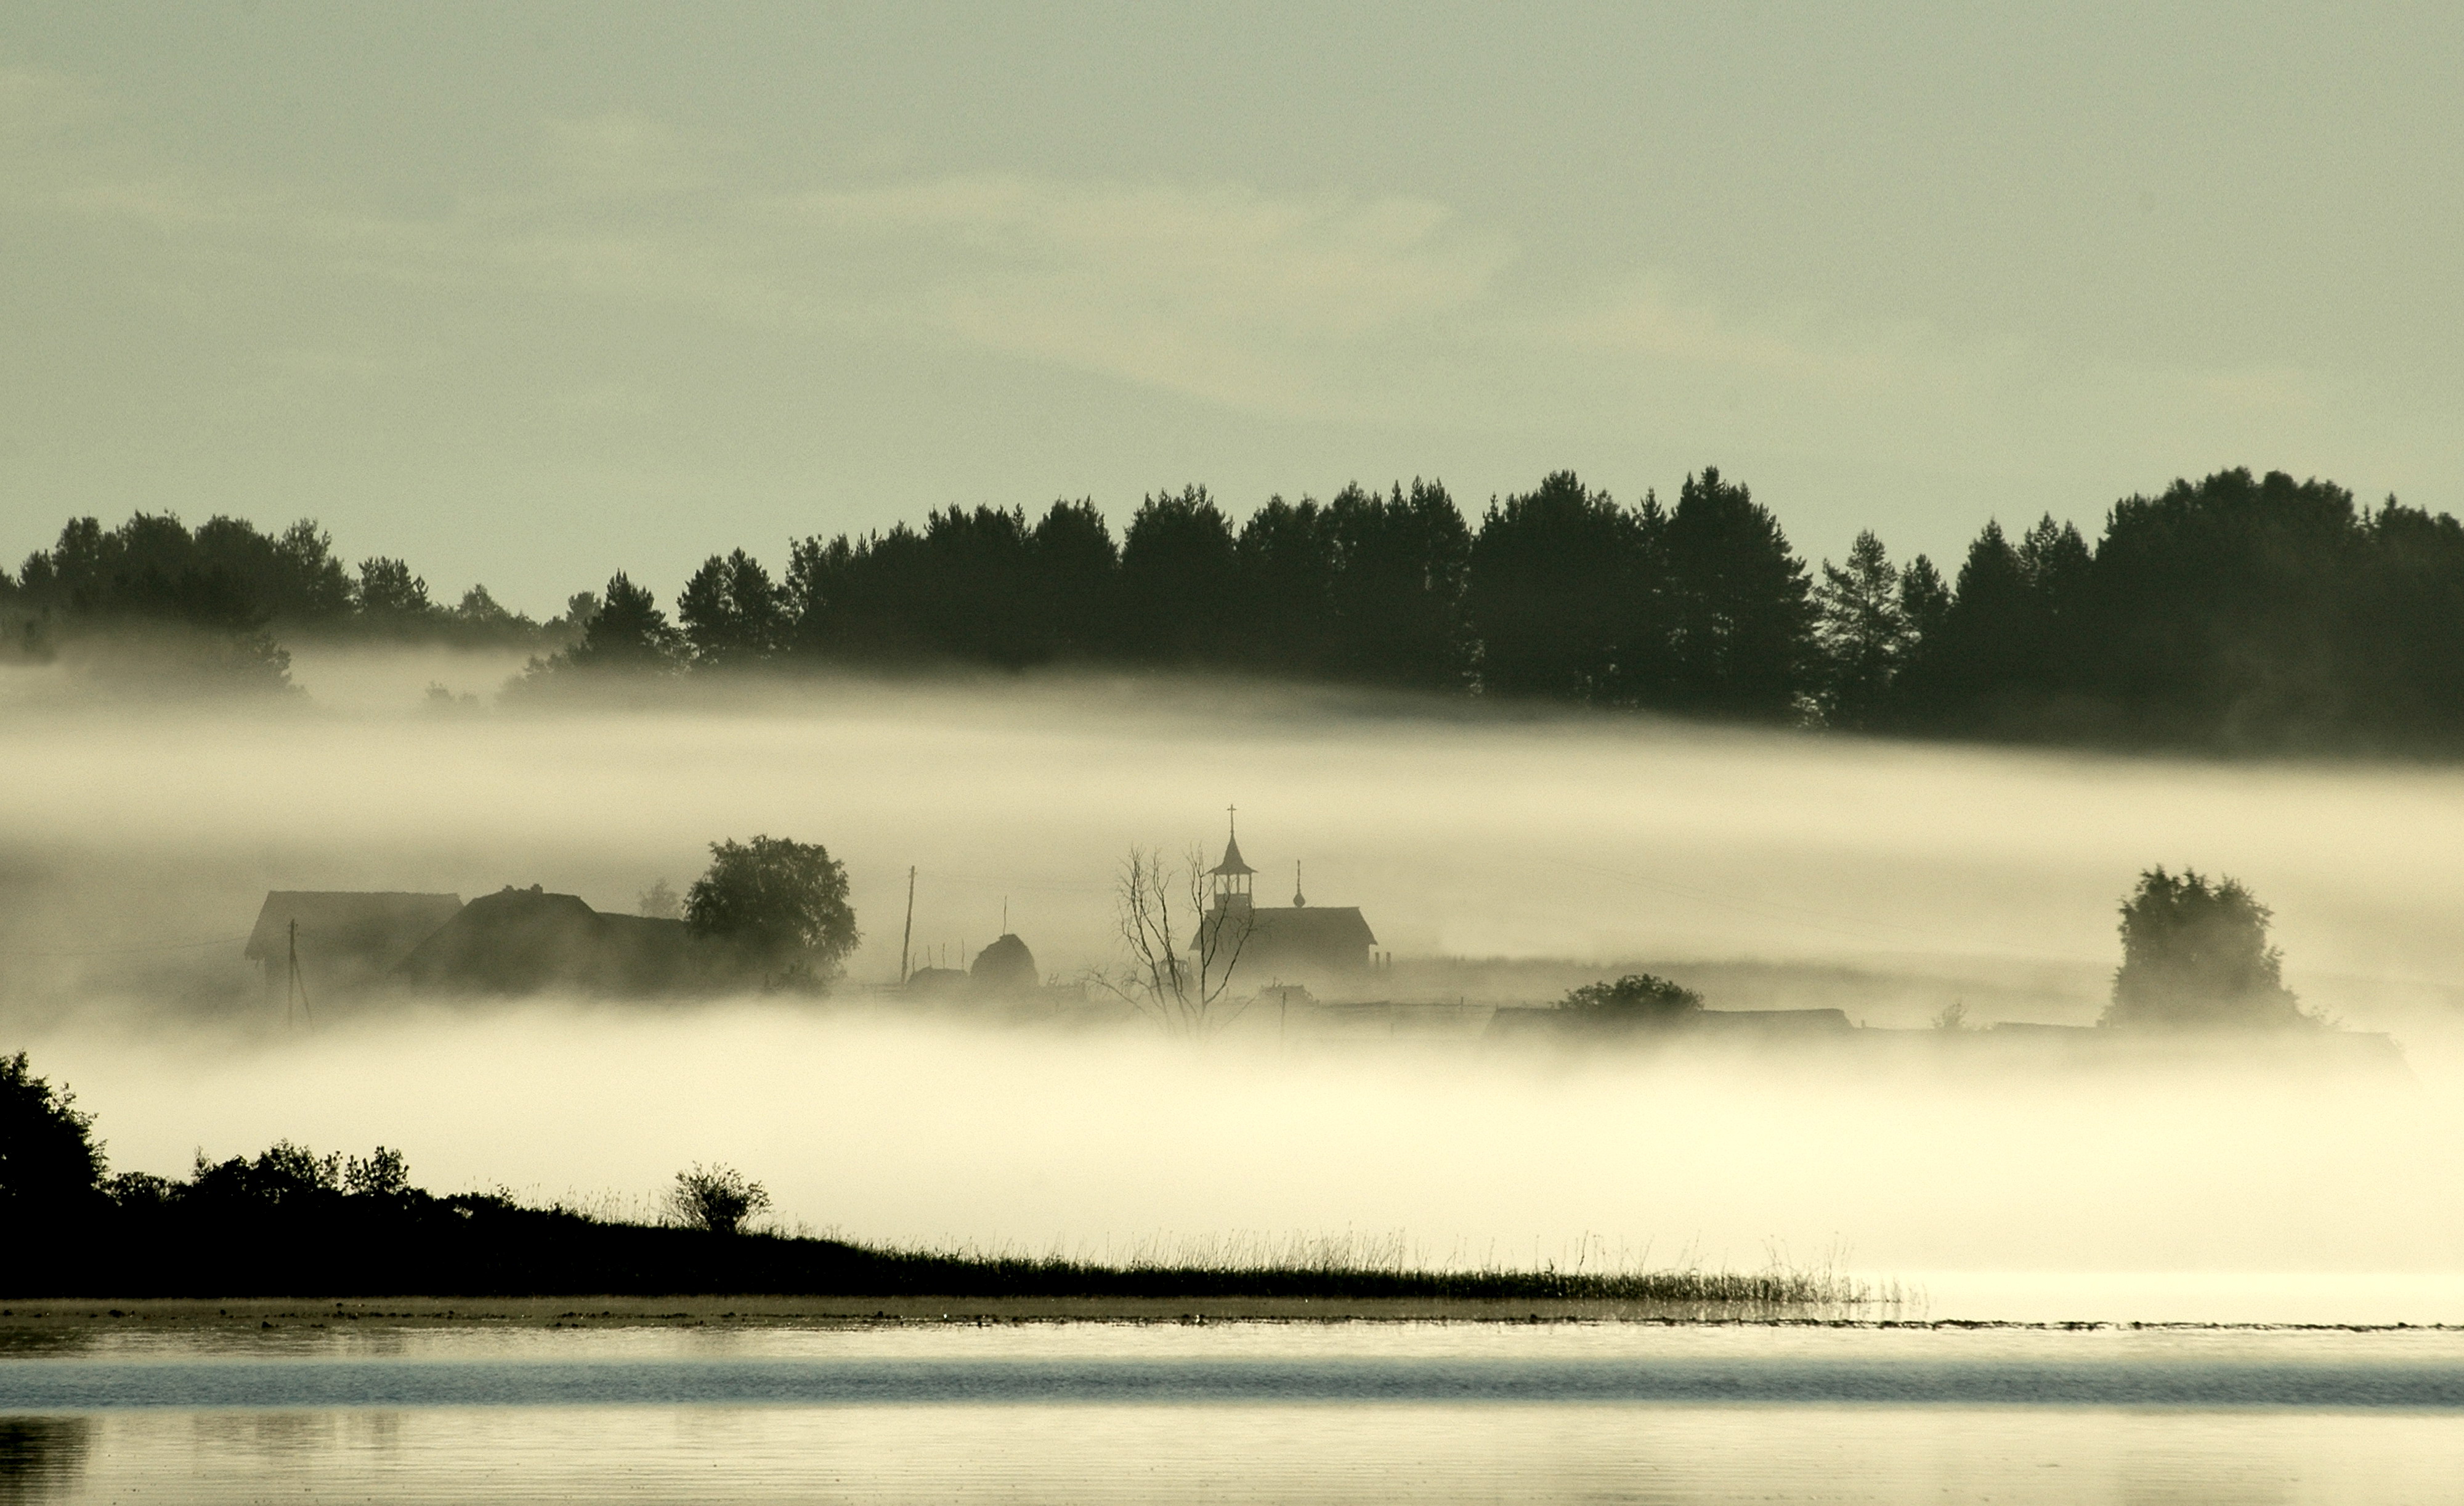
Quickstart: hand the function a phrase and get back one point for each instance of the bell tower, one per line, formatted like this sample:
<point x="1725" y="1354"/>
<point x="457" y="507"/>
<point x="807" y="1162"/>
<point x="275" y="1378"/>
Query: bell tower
<point x="1233" y="879"/>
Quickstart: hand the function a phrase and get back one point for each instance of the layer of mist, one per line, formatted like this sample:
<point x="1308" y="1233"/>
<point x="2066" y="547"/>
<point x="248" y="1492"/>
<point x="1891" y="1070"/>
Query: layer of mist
<point x="1502" y="857"/>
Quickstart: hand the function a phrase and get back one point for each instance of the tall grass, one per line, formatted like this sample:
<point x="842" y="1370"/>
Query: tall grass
<point x="1351" y="1264"/>
<point x="1390" y="1265"/>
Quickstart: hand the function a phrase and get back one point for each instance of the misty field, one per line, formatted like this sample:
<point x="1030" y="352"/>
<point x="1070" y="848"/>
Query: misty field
<point x="1498" y="855"/>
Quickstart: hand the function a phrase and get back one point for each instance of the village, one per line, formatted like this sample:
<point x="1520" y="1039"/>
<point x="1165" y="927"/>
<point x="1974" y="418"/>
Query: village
<point x="1299" y="973"/>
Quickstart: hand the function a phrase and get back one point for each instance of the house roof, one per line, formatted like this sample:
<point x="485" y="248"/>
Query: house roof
<point x="522" y="940"/>
<point x="379" y="927"/>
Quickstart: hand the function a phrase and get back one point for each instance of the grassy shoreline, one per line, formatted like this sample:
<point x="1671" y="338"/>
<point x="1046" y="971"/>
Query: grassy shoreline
<point x="29" y="1325"/>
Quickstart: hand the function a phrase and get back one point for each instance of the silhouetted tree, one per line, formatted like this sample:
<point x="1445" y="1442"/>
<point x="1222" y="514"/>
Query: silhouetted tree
<point x="292" y="578"/>
<point x="50" y="1170"/>
<point x="2221" y="608"/>
<point x="1283" y="575"/>
<point x="2233" y="611"/>
<point x="2404" y="653"/>
<point x="976" y="584"/>
<point x="2197" y="954"/>
<point x="1178" y="600"/>
<point x="1075" y="577"/>
<point x="389" y="595"/>
<point x="382" y="1173"/>
<point x="1862" y="627"/>
<point x="1396" y="601"/>
<point x="284" y="1173"/>
<point x="1985" y="648"/>
<point x="1741" y="640"/>
<point x="782" y="903"/>
<point x="730" y="614"/>
<point x="1566" y="593"/>
<point x="1924" y="602"/>
<point x="628" y="632"/>
<point x="865" y="600"/>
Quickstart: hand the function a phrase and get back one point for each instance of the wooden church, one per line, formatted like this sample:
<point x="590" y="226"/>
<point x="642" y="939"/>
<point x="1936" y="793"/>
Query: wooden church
<point x="1278" y="943"/>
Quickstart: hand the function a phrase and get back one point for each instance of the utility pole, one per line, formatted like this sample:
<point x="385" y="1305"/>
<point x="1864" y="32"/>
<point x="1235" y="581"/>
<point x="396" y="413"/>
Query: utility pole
<point x="297" y="989"/>
<point x="907" y="938"/>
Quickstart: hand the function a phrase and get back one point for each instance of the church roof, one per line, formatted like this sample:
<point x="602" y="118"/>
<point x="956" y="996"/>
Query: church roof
<point x="1317" y="925"/>
<point x="1232" y="863"/>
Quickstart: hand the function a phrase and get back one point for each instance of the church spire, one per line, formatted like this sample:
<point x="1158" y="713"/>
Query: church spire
<point x="1232" y="865"/>
<point x="1300" y="900"/>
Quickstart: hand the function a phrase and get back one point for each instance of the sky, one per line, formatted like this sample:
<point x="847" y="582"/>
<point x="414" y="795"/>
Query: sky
<point x="528" y="294"/>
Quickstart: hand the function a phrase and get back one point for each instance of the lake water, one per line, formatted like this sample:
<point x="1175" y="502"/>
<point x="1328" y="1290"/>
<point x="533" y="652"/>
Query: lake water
<point x="1239" y="1412"/>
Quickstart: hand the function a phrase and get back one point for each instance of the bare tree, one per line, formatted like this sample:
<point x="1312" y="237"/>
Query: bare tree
<point x="1182" y="949"/>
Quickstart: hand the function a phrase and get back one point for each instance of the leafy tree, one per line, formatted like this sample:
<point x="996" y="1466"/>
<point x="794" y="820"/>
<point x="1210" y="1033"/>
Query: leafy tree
<point x="660" y="902"/>
<point x="2197" y="954"/>
<point x="719" y="1198"/>
<point x="731" y="612"/>
<point x="1740" y="642"/>
<point x="1636" y="996"/>
<point x="50" y="1166"/>
<point x="783" y="902"/>
<point x="1862" y="627"/>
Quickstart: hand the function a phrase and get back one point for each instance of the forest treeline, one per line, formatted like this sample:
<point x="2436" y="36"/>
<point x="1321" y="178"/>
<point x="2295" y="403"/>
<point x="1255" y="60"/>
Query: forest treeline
<point x="2236" y="612"/>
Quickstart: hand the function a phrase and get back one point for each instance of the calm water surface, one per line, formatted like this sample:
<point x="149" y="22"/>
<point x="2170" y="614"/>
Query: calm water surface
<point x="1242" y="1412"/>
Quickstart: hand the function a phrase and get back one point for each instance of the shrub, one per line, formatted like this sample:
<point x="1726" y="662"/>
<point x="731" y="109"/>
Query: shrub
<point x="717" y="1198"/>
<point x="1642" y="996"/>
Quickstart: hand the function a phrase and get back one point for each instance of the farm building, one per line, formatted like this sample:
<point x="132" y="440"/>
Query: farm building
<point x="344" y="939"/>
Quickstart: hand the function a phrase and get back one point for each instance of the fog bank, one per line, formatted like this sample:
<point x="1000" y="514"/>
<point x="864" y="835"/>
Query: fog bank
<point x="1495" y="853"/>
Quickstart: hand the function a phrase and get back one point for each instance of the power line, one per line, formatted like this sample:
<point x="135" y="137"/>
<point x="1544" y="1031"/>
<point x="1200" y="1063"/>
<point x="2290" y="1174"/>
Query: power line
<point x="123" y="951"/>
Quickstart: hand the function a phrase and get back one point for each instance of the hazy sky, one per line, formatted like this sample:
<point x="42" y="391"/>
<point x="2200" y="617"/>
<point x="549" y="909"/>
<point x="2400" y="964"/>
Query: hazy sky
<point x="529" y="292"/>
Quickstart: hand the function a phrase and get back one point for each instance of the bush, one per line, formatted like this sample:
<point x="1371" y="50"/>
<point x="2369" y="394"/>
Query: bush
<point x="719" y="1198"/>
<point x="1639" y="996"/>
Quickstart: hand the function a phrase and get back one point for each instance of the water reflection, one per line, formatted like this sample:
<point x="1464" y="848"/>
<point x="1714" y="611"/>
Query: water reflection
<point x="41" y="1457"/>
<point x="1377" y="1440"/>
<point x="1263" y="1454"/>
